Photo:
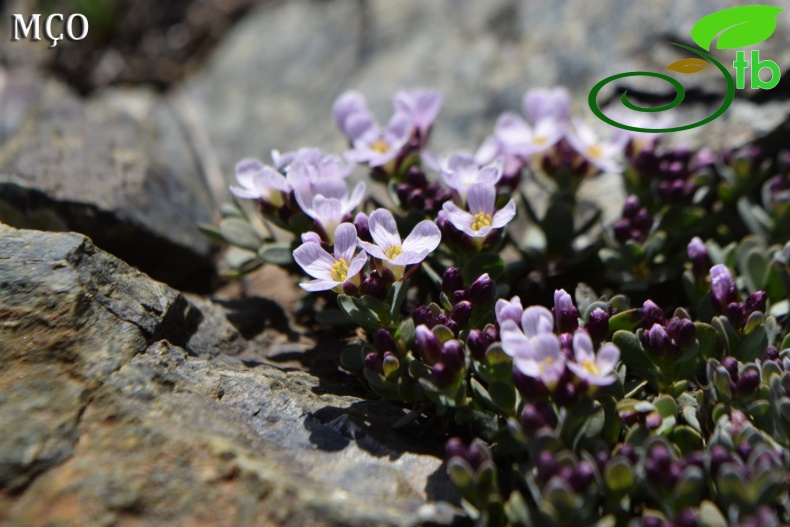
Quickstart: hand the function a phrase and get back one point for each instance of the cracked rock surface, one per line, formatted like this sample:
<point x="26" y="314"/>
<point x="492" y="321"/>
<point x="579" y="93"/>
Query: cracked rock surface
<point x="117" y="409"/>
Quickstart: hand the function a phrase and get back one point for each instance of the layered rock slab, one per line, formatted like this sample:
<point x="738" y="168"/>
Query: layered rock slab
<point x="116" y="409"/>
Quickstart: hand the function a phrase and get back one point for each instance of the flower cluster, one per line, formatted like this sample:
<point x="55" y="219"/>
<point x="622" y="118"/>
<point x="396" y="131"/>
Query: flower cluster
<point x="473" y="292"/>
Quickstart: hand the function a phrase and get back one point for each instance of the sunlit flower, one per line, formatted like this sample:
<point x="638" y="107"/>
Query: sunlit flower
<point x="509" y="310"/>
<point x="601" y="154"/>
<point x="260" y="182"/>
<point x="351" y="114"/>
<point x="331" y="271"/>
<point x="377" y="146"/>
<point x="481" y="218"/>
<point x="595" y="369"/>
<point x="389" y="247"/>
<point x="326" y="165"/>
<point x="461" y="171"/>
<point x="422" y="107"/>
<point x="544" y="104"/>
<point x="326" y="200"/>
<point x="539" y="356"/>
<point x="536" y="320"/>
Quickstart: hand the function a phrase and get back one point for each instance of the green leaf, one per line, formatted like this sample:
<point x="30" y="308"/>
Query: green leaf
<point x="504" y="395"/>
<point x="738" y="27"/>
<point x="666" y="406"/>
<point x="396" y="297"/>
<point x="711" y="516"/>
<point x="626" y="320"/>
<point x="211" y="231"/>
<point x="756" y="269"/>
<point x="277" y="254"/>
<point x="619" y="475"/>
<point x="708" y="338"/>
<point x="634" y="356"/>
<point x="333" y="317"/>
<point x="358" y="312"/>
<point x="352" y="358"/>
<point x="238" y="258"/>
<point x="482" y="263"/>
<point x="239" y="233"/>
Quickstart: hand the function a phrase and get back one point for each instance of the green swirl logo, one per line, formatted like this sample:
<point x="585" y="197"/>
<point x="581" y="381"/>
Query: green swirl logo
<point x="735" y="27"/>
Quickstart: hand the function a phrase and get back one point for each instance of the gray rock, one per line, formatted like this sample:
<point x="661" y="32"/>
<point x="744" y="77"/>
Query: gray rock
<point x="272" y="81"/>
<point x="117" y="405"/>
<point x="129" y="183"/>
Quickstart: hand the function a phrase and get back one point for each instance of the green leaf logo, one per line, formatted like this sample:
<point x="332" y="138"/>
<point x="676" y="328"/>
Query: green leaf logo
<point x="738" y="27"/>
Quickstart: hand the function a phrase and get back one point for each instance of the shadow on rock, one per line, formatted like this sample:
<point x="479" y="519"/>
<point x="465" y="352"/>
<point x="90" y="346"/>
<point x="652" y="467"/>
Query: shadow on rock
<point x="369" y="425"/>
<point x="251" y="316"/>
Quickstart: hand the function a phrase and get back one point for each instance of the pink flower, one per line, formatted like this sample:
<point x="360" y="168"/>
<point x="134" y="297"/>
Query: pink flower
<point x="481" y="218"/>
<point x="597" y="369"/>
<point x="389" y="247"/>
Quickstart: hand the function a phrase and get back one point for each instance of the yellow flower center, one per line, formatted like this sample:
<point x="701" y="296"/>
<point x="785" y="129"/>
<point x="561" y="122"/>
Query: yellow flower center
<point x="546" y="363"/>
<point x="481" y="220"/>
<point x="540" y="140"/>
<point x="393" y="251"/>
<point x="340" y="270"/>
<point x="595" y="152"/>
<point x="591" y="367"/>
<point x="380" y="146"/>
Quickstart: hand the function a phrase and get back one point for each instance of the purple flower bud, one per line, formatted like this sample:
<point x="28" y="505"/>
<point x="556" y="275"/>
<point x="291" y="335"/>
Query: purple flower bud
<point x="748" y="382"/>
<point x="529" y="387"/>
<point x="628" y="451"/>
<point x="462" y="312"/>
<point x="546" y="465"/>
<point x="478" y="344"/>
<point x="565" y="394"/>
<point x="374" y="287"/>
<point x="428" y="345"/>
<point x="481" y="291"/>
<point x="686" y="518"/>
<point x="403" y="191"/>
<point x="441" y="375"/>
<point x="718" y="456"/>
<point x="722" y="288"/>
<point x="387" y="276"/>
<point x="565" y="312"/>
<point x="770" y="353"/>
<point x="658" y="342"/>
<point x="537" y="415"/>
<point x="682" y="331"/>
<point x="642" y="221"/>
<point x="383" y="341"/>
<point x="736" y="314"/>
<point x="455" y="447"/>
<point x="452" y="281"/>
<point x="631" y="206"/>
<point x="422" y="315"/>
<point x="653" y="521"/>
<point x="416" y="200"/>
<point x="755" y="302"/>
<point x="622" y="230"/>
<point x="361" y="224"/>
<point x="629" y="416"/>
<point x="696" y="458"/>
<point x="698" y="254"/>
<point x="416" y="177"/>
<point x="477" y="454"/>
<point x="731" y="365"/>
<point x="453" y="326"/>
<point x="598" y="324"/>
<point x="651" y="314"/>
<point x="350" y="288"/>
<point x="744" y="450"/>
<point x="374" y="362"/>
<point x="452" y="355"/>
<point x="653" y="420"/>
<point x="582" y="476"/>
<point x="459" y="295"/>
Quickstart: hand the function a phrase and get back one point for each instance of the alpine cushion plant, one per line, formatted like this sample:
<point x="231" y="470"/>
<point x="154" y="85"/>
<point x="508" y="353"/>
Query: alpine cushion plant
<point x="663" y="402"/>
